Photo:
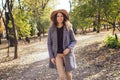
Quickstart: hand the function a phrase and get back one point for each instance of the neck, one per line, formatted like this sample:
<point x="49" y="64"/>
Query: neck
<point x="59" y="25"/>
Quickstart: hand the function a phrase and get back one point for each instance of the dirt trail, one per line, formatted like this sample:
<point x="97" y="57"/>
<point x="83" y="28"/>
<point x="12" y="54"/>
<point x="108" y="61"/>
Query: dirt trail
<point x="34" y="66"/>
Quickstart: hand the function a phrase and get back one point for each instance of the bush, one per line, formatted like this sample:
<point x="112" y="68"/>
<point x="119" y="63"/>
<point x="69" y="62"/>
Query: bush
<point x="111" y="42"/>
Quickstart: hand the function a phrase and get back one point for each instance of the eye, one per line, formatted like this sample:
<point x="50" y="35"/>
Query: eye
<point x="58" y="16"/>
<point x="61" y="16"/>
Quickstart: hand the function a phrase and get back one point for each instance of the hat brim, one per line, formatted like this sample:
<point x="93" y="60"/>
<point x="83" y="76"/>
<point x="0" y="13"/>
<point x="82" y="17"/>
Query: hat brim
<point x="59" y="11"/>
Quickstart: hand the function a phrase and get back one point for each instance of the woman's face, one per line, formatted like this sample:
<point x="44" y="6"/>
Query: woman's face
<point x="60" y="18"/>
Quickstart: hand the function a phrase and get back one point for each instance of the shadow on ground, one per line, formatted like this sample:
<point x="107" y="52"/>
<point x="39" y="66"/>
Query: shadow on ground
<point x="95" y="62"/>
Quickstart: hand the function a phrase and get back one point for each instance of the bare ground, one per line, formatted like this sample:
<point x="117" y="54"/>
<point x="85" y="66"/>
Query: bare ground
<point x="94" y="61"/>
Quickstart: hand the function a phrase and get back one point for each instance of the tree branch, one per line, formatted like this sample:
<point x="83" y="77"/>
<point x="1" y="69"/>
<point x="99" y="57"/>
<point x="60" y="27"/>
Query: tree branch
<point x="44" y="4"/>
<point x="107" y="21"/>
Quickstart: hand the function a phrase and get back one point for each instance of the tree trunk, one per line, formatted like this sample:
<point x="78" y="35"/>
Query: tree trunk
<point x="0" y="38"/>
<point x="14" y="30"/>
<point x="0" y="41"/>
<point x="6" y="28"/>
<point x="98" y="26"/>
<point x="94" y="29"/>
<point x="107" y="28"/>
<point x="43" y="32"/>
<point x="39" y="35"/>
<point x="83" y="32"/>
<point x="116" y="37"/>
<point x="113" y="28"/>
<point x="94" y="25"/>
<point x="89" y="29"/>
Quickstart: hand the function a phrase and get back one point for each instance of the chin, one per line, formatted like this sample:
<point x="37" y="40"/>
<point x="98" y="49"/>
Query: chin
<point x="60" y="22"/>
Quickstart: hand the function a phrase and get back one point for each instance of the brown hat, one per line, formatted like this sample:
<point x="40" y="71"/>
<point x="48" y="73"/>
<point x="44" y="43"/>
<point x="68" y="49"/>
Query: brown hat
<point x="59" y="11"/>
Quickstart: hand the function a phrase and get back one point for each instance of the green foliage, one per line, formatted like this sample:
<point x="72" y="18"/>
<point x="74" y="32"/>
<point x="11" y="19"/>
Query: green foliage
<point x="82" y="14"/>
<point x="39" y="14"/>
<point x="88" y="9"/>
<point x="111" y="9"/>
<point x="22" y="22"/>
<point x="110" y="41"/>
<point x="31" y="16"/>
<point x="44" y="20"/>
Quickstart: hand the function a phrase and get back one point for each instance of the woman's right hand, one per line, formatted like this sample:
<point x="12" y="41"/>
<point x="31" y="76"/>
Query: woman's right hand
<point x="53" y="61"/>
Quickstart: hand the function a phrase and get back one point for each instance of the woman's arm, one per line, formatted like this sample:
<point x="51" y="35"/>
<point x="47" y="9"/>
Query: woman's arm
<point x="72" y="39"/>
<point x="72" y="42"/>
<point x="49" y="44"/>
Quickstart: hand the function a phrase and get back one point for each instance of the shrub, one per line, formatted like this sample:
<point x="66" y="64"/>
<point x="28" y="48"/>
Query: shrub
<point x="111" y="42"/>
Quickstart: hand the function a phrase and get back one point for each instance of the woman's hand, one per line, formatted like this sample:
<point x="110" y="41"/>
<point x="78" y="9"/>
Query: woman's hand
<point x="53" y="61"/>
<point x="66" y="51"/>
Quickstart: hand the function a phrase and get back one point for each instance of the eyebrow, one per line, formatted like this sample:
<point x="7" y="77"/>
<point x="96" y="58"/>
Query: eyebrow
<point x="59" y="15"/>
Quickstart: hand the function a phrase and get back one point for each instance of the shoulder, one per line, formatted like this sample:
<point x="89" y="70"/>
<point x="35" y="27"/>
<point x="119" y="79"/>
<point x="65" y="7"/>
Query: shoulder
<point x="69" y="26"/>
<point x="51" y="29"/>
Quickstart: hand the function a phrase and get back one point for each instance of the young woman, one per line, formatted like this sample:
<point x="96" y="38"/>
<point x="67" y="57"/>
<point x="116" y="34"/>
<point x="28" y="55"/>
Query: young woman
<point x="61" y="42"/>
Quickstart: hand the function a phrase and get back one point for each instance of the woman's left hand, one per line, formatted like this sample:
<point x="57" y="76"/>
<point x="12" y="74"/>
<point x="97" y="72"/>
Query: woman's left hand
<point x="66" y="51"/>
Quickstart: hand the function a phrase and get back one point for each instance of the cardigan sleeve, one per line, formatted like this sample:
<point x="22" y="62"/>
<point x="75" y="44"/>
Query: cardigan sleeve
<point x="72" y="39"/>
<point x="49" y="44"/>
